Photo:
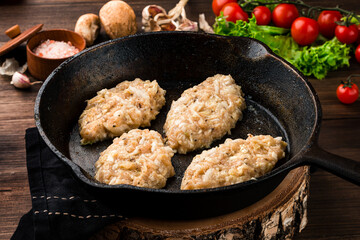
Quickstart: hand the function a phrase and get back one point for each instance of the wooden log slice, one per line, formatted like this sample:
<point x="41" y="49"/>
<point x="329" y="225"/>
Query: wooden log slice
<point x="280" y="215"/>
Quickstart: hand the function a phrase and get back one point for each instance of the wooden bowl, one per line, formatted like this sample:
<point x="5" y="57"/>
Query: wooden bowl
<point x="41" y="67"/>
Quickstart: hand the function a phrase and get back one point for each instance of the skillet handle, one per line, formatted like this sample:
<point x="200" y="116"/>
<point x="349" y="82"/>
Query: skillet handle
<point x="343" y="167"/>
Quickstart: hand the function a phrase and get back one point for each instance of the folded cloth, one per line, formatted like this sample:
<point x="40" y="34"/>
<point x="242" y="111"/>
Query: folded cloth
<point x="61" y="208"/>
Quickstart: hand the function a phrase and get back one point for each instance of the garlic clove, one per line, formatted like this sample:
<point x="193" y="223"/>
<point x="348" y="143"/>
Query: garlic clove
<point x="150" y="11"/>
<point x="20" y="80"/>
<point x="204" y="25"/>
<point x="177" y="10"/>
<point x="153" y="27"/>
<point x="171" y="26"/>
<point x="150" y="14"/>
<point x="186" y="24"/>
<point x="155" y="10"/>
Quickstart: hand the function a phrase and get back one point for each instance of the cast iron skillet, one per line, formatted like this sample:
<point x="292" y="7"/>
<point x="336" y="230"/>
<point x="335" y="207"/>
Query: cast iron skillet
<point x="280" y="101"/>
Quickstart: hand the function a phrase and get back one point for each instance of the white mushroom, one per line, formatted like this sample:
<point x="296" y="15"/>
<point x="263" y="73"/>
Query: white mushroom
<point x="118" y="19"/>
<point x="88" y="26"/>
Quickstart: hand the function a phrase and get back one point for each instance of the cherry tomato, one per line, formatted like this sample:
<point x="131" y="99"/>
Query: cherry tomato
<point x="346" y="34"/>
<point x="218" y="4"/>
<point x="326" y="21"/>
<point x="357" y="53"/>
<point x="358" y="40"/>
<point x="234" y="12"/>
<point x="347" y="94"/>
<point x="284" y="14"/>
<point x="304" y="30"/>
<point x="262" y="15"/>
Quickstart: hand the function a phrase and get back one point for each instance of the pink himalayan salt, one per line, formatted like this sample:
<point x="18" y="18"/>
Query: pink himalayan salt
<point x="55" y="49"/>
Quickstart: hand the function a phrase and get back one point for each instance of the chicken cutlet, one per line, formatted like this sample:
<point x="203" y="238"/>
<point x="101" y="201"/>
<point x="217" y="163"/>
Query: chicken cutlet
<point x="233" y="162"/>
<point x="129" y="105"/>
<point x="137" y="158"/>
<point x="204" y="113"/>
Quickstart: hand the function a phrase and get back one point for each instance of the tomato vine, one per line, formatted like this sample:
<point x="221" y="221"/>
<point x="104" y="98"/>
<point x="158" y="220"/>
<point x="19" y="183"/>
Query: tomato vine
<point x="248" y="5"/>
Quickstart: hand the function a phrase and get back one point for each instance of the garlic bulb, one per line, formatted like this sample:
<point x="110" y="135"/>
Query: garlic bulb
<point x="20" y="80"/>
<point x="10" y="66"/>
<point x="155" y="18"/>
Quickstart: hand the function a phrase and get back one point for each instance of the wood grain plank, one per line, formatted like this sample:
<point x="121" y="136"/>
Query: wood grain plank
<point x="15" y="199"/>
<point x="341" y="137"/>
<point x="16" y="115"/>
<point x="326" y="90"/>
<point x="334" y="208"/>
<point x="334" y="204"/>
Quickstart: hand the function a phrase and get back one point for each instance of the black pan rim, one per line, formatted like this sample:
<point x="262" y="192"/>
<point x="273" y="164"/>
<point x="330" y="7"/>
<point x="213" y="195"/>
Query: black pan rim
<point x="290" y="164"/>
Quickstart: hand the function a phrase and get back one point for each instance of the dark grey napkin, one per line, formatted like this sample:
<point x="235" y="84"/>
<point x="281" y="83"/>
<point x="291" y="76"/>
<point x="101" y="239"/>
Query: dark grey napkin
<point x="61" y="208"/>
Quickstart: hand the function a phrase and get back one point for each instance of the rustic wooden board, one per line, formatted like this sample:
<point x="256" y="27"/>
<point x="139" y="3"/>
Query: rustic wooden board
<point x="280" y="215"/>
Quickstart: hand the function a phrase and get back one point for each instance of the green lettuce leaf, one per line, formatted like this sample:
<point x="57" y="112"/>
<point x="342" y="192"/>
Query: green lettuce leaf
<point x="315" y="60"/>
<point x="352" y="20"/>
<point x="319" y="60"/>
<point x="245" y="29"/>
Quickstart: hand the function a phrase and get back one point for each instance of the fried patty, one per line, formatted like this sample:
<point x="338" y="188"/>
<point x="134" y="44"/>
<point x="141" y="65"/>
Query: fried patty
<point x="233" y="162"/>
<point x="137" y="158"/>
<point x="204" y="113"/>
<point x="129" y="105"/>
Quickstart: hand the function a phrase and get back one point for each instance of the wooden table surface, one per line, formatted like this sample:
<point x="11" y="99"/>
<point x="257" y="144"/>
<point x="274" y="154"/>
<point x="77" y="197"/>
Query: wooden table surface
<point x="334" y="204"/>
